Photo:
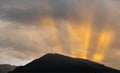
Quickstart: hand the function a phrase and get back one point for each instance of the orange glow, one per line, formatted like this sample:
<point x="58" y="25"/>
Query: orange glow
<point x="98" y="57"/>
<point x="80" y="39"/>
<point x="57" y="49"/>
<point x="50" y="23"/>
<point x="104" y="42"/>
<point x="75" y="40"/>
<point x="85" y="35"/>
<point x="80" y="34"/>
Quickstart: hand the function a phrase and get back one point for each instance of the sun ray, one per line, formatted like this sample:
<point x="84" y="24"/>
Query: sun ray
<point x="80" y="34"/>
<point x="50" y="23"/>
<point x="80" y="39"/>
<point x="104" y="42"/>
<point x="74" y="39"/>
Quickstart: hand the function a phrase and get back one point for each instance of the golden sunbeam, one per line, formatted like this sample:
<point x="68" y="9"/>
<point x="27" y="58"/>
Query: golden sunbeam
<point x="80" y="34"/>
<point x="85" y="31"/>
<point x="74" y="39"/>
<point x="51" y="24"/>
<point x="57" y="49"/>
<point x="104" y="42"/>
<point x="80" y="39"/>
<point x="86" y="37"/>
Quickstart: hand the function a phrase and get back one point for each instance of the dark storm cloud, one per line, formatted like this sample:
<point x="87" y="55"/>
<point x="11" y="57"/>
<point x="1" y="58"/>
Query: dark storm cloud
<point x="31" y="11"/>
<point x="59" y="7"/>
<point x="21" y="15"/>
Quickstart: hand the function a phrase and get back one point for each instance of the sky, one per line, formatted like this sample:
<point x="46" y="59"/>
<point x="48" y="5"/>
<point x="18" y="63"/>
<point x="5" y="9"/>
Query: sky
<point x="88" y="29"/>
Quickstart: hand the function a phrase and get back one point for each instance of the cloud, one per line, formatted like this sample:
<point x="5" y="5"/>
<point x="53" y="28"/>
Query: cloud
<point x="33" y="40"/>
<point x="23" y="42"/>
<point x="32" y="11"/>
<point x="21" y="15"/>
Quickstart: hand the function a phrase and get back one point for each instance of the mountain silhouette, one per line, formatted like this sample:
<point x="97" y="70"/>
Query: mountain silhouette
<point x="60" y="63"/>
<point x="5" y="68"/>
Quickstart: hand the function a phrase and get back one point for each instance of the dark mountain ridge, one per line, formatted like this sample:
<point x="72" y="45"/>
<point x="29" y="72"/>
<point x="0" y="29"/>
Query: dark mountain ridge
<point x="4" y="68"/>
<point x="60" y="63"/>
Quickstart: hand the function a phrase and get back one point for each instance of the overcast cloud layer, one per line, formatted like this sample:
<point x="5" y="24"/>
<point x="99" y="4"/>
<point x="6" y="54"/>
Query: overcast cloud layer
<point x="23" y="38"/>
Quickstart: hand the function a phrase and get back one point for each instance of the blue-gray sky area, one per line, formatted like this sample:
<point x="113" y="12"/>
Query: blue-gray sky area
<point x="32" y="28"/>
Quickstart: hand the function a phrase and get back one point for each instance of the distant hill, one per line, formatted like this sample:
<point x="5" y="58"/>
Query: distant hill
<point x="61" y="63"/>
<point x="4" y="68"/>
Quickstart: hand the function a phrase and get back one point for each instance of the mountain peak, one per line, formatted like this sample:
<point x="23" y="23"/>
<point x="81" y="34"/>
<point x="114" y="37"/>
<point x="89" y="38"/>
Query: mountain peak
<point x="54" y="55"/>
<point x="53" y="62"/>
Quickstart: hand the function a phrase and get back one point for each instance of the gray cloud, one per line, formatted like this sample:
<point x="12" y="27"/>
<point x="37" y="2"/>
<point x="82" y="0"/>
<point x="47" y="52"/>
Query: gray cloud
<point x="16" y="39"/>
<point x="26" y="41"/>
<point x="21" y="15"/>
<point x="31" y="11"/>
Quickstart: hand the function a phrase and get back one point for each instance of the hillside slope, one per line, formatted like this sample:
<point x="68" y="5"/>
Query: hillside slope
<point x="61" y="63"/>
<point x="4" y="68"/>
